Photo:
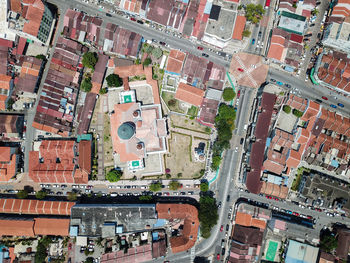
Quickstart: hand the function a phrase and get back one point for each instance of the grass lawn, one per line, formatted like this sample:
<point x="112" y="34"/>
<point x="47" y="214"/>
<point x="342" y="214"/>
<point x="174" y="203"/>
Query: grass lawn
<point x="193" y="111"/>
<point x="167" y="96"/>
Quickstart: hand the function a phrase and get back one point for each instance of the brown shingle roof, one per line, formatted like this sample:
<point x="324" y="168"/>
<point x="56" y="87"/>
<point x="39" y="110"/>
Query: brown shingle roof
<point x="44" y="226"/>
<point x="190" y="229"/>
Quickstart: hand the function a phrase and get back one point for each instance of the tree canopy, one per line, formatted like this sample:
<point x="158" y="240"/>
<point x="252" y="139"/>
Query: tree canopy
<point x="41" y="194"/>
<point x="246" y="33"/>
<point x="103" y="91"/>
<point x="114" y="175"/>
<point x="204" y="186"/>
<point x="254" y="13"/>
<point x="90" y="59"/>
<point x="228" y="94"/>
<point x="147" y="62"/>
<point x="155" y="187"/>
<point x="328" y="242"/>
<point x="86" y="84"/>
<point x="72" y="196"/>
<point x="174" y="185"/>
<point x="113" y="80"/>
<point x="207" y="214"/>
<point x="298" y="113"/>
<point x="216" y="160"/>
<point x="22" y="194"/>
<point x="287" y="109"/>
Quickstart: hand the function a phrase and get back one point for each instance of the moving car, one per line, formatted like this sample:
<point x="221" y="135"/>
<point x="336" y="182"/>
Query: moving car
<point x="240" y="69"/>
<point x="218" y="256"/>
<point x="205" y="55"/>
<point x="341" y="105"/>
<point x="324" y="97"/>
<point x="221" y="228"/>
<point x="333" y="106"/>
<point x="200" y="48"/>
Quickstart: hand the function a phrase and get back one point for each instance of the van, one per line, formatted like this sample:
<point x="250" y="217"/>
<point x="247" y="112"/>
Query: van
<point x="245" y="127"/>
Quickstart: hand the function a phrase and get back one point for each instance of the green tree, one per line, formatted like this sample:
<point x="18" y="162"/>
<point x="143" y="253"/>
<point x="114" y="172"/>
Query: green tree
<point x="228" y="94"/>
<point x="328" y="242"/>
<point x="89" y="260"/>
<point x="22" y="194"/>
<point x="137" y="61"/>
<point x="147" y="62"/>
<point x="114" y="175"/>
<point x="174" y="185"/>
<point x="155" y="187"/>
<point x="113" y="80"/>
<point x="145" y="198"/>
<point x="216" y="162"/>
<point x="287" y="109"/>
<point x="298" y="113"/>
<point x="172" y="102"/>
<point x="226" y="112"/>
<point x="43" y="244"/>
<point x="9" y="103"/>
<point x="86" y="84"/>
<point x="204" y="187"/>
<point x="90" y="59"/>
<point x="157" y="53"/>
<point x="41" y="194"/>
<point x="40" y="56"/>
<point x="246" y="33"/>
<point x="72" y="196"/>
<point x="254" y="13"/>
<point x="103" y="91"/>
<point x="167" y="176"/>
<point x="179" y="175"/>
<point x="207" y="214"/>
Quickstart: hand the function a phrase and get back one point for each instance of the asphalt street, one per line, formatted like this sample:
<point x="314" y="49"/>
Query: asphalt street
<point x="144" y="30"/>
<point x="310" y="91"/>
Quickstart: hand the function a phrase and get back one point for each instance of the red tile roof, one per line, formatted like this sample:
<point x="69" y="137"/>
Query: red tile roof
<point x="191" y="223"/>
<point x="57" y="163"/>
<point x="176" y="60"/>
<point x="44" y="227"/>
<point x="16" y="6"/>
<point x="239" y="27"/>
<point x="7" y="164"/>
<point x="189" y="94"/>
<point x="245" y="219"/>
<point x="35" y="207"/>
<point x="17" y="228"/>
<point x="34" y="15"/>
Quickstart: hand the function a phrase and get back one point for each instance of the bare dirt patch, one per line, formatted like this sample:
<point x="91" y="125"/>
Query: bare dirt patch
<point x="181" y="157"/>
<point x="188" y="124"/>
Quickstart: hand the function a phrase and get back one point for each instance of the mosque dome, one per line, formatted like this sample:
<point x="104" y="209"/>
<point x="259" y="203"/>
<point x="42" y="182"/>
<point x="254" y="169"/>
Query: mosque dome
<point x="126" y="130"/>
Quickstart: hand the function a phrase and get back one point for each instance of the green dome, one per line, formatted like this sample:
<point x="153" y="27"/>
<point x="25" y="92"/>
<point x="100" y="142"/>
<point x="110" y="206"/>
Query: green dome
<point x="126" y="130"/>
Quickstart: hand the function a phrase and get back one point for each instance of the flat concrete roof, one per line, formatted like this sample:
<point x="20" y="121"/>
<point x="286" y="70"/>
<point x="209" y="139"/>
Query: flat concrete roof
<point x="223" y="27"/>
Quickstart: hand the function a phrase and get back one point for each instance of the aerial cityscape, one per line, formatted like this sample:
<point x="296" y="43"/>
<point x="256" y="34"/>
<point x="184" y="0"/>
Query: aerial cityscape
<point x="174" y="131"/>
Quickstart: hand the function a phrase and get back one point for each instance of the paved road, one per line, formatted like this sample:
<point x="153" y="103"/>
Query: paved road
<point x="308" y="90"/>
<point x="144" y="30"/>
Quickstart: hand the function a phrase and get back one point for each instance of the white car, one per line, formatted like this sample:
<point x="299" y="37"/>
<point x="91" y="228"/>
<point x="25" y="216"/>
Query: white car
<point x="56" y="185"/>
<point x="236" y="149"/>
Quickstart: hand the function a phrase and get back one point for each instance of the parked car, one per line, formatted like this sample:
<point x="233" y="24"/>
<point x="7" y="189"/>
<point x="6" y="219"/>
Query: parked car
<point x="324" y="97"/>
<point x="200" y="48"/>
<point x="253" y="41"/>
<point x="341" y="105"/>
<point x="205" y="55"/>
<point x="132" y="19"/>
<point x="221" y="228"/>
<point x="279" y="83"/>
<point x="240" y="69"/>
<point x="333" y="106"/>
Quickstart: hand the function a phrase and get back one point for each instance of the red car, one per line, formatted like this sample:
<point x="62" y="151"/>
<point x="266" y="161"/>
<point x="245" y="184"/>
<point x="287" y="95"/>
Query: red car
<point x="268" y="197"/>
<point x="295" y="213"/>
<point x="275" y="198"/>
<point x="132" y="19"/>
<point x="200" y="48"/>
<point x="221" y="228"/>
<point x="69" y="246"/>
<point x="324" y="97"/>
<point x="240" y="69"/>
<point x="218" y="256"/>
<point x="238" y="94"/>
